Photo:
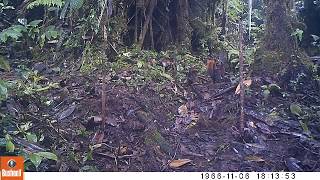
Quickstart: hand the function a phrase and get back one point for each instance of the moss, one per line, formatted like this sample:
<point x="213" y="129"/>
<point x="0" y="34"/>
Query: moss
<point x="268" y="63"/>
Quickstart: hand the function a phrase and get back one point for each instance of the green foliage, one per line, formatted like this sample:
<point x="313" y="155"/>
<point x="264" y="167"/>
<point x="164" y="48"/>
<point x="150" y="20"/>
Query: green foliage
<point x="298" y="33"/>
<point x="10" y="147"/>
<point x="71" y="5"/>
<point x="295" y="109"/>
<point x="305" y="115"/>
<point x="270" y="89"/>
<point x="37" y="158"/>
<point x="34" y="157"/>
<point x="143" y="67"/>
<point x="235" y="8"/>
<point x="4" y="64"/>
<point x="49" y="3"/>
<point x="91" y="59"/>
<point x="4" y="10"/>
<point x="3" y="90"/>
<point x="50" y="33"/>
<point x="4" y="5"/>
<point x="14" y="32"/>
<point x="31" y="32"/>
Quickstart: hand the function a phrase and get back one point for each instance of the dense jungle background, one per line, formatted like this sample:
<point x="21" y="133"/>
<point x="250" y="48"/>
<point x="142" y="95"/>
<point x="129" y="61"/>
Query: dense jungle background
<point x="161" y="85"/>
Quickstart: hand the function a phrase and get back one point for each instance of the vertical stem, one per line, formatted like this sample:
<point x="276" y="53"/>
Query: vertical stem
<point x="241" y="63"/>
<point x="151" y="34"/>
<point x="224" y="17"/>
<point x="152" y="5"/>
<point x="136" y="25"/>
<point x="103" y="102"/>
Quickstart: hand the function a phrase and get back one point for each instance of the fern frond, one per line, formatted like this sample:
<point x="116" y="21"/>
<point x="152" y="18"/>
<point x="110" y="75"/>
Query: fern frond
<point x="49" y="3"/>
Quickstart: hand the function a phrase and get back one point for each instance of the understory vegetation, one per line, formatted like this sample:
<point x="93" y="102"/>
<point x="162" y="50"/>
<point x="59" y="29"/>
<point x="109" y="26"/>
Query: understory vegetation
<point x="123" y="85"/>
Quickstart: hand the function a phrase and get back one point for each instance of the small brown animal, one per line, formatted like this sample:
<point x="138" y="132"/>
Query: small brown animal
<point x="215" y="69"/>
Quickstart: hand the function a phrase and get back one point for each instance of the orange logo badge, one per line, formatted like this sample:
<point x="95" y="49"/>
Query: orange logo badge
<point x="12" y="167"/>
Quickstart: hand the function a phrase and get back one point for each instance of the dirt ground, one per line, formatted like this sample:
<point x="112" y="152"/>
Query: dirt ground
<point x="149" y="127"/>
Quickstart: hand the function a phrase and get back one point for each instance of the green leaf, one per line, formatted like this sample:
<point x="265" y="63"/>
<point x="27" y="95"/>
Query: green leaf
<point x="32" y="138"/>
<point x="295" y="109"/>
<point x="35" y="159"/>
<point x="304" y="127"/>
<point x="3" y="90"/>
<point x="48" y="155"/>
<point x="298" y="33"/>
<point x="34" y="23"/>
<point x="167" y="76"/>
<point x="274" y="87"/>
<point x="49" y="3"/>
<point x="140" y="64"/>
<point x="266" y="93"/>
<point x="4" y="64"/>
<point x="14" y="32"/>
<point x="10" y="146"/>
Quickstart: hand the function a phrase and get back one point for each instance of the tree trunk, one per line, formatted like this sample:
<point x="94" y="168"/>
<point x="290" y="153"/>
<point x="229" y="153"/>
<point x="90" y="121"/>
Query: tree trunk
<point x="278" y="27"/>
<point x="278" y="46"/>
<point x="279" y="56"/>
<point x="183" y="26"/>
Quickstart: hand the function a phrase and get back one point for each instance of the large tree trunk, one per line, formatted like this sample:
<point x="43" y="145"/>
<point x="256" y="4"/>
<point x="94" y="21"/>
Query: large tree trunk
<point x="183" y="26"/>
<point x="278" y="27"/>
<point x="279" y="56"/>
<point x="278" y="45"/>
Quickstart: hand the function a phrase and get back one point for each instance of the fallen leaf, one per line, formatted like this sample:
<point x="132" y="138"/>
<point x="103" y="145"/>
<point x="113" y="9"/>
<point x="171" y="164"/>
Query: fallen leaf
<point x="96" y="119"/>
<point x="255" y="145"/>
<point x="123" y="150"/>
<point x="67" y="112"/>
<point x="183" y="110"/>
<point x="246" y="83"/>
<point x="254" y="159"/>
<point x="98" y="137"/>
<point x="179" y="162"/>
<point x="110" y="120"/>
<point x="251" y="124"/>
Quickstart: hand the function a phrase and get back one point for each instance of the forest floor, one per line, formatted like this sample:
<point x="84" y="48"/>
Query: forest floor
<point x="187" y="127"/>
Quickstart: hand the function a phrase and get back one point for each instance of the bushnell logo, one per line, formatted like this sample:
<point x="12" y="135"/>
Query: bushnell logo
<point x="12" y="168"/>
<point x="12" y="163"/>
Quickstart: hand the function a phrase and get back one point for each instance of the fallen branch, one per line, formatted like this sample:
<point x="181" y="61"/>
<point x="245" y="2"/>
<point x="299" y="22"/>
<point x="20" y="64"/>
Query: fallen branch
<point x="231" y="88"/>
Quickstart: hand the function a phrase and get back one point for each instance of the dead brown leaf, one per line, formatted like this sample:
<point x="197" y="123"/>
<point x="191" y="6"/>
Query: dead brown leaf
<point x="246" y="83"/>
<point x="179" y="162"/>
<point x="98" y="137"/>
<point x="254" y="159"/>
<point x="183" y="110"/>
